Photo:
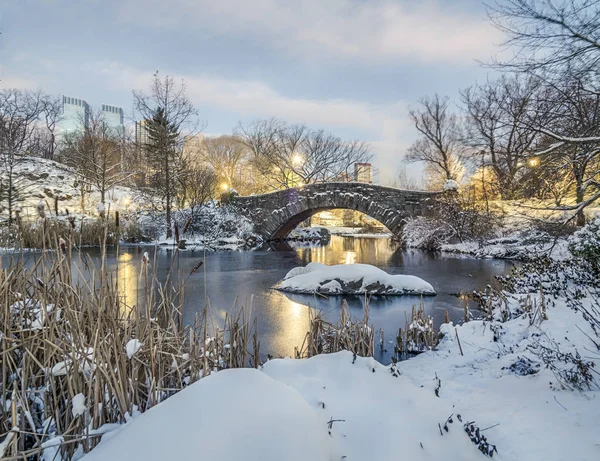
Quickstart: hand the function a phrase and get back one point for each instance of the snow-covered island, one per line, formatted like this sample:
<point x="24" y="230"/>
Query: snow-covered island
<point x="351" y="279"/>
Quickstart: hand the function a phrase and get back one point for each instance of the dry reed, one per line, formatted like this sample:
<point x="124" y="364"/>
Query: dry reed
<point x="66" y="331"/>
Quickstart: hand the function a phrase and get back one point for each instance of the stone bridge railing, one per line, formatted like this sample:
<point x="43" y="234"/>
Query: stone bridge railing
<point x="276" y="214"/>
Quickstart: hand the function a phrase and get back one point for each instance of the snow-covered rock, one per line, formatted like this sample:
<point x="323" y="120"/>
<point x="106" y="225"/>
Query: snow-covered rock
<point x="351" y="279"/>
<point x="310" y="233"/>
<point x="233" y="415"/>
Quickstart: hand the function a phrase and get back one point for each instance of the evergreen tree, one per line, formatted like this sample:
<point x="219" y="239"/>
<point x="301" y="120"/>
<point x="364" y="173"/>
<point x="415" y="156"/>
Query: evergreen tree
<point x="164" y="158"/>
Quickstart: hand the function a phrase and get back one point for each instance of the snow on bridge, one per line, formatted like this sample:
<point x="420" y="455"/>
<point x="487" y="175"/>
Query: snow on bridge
<point x="276" y="214"/>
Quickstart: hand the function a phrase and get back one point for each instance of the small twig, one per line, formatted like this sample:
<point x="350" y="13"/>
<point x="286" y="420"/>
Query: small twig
<point x="481" y="430"/>
<point x="457" y="338"/>
<point x="331" y="421"/>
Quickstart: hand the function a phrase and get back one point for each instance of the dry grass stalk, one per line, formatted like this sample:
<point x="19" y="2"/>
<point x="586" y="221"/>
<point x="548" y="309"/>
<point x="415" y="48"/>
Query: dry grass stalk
<point x="418" y="336"/>
<point x="354" y="335"/>
<point x="66" y="331"/>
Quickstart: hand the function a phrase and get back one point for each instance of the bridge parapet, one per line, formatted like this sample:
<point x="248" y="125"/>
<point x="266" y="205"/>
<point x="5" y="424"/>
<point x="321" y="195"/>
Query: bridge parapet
<point x="276" y="214"/>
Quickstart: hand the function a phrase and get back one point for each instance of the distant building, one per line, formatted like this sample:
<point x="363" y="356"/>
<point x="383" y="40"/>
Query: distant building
<point x="363" y="172"/>
<point x="142" y="136"/>
<point x="75" y="115"/>
<point x="113" y="117"/>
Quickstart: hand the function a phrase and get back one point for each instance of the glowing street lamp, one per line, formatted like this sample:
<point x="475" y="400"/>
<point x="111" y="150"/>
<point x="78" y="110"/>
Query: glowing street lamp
<point x="224" y="187"/>
<point x="533" y="162"/>
<point x="296" y="159"/>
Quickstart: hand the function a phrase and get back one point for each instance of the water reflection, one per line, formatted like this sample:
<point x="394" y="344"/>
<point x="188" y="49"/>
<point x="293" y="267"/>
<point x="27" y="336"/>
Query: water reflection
<point x="228" y="279"/>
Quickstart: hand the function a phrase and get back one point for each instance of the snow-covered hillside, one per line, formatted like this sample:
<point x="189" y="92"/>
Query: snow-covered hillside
<point x="45" y="180"/>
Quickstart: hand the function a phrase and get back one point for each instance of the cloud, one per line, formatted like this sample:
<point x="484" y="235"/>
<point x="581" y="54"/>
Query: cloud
<point x="429" y="31"/>
<point x="257" y="99"/>
<point x="386" y="126"/>
<point x="21" y="83"/>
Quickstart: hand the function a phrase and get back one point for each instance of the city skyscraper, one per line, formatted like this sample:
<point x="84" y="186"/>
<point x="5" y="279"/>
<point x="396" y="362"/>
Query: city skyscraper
<point x="75" y="115"/>
<point x="113" y="117"/>
<point x="141" y="133"/>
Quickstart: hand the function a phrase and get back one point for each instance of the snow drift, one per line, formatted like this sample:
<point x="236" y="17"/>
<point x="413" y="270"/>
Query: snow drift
<point x="229" y="416"/>
<point x="351" y="279"/>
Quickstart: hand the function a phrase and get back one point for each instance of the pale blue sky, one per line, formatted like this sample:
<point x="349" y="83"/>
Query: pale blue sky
<point x="351" y="66"/>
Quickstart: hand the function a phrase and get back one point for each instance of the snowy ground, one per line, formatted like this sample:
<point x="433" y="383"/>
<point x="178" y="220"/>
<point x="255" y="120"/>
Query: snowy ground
<point x="336" y="407"/>
<point x="351" y="279"/>
<point x="520" y="245"/>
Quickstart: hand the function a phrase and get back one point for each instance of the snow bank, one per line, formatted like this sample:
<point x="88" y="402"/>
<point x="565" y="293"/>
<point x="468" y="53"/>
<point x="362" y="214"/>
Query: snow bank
<point x="351" y="279"/>
<point x="384" y="418"/>
<point x="233" y="415"/>
<point x="500" y="382"/>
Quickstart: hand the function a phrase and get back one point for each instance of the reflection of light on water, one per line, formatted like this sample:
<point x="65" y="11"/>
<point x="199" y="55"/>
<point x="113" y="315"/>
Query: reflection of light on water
<point x="296" y="309"/>
<point x="127" y="279"/>
<point x="290" y="322"/>
<point x="350" y="257"/>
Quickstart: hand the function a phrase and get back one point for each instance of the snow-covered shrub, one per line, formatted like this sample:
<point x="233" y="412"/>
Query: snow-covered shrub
<point x="214" y="224"/>
<point x="585" y="244"/>
<point x="455" y="217"/>
<point x="572" y="371"/>
<point x="425" y="233"/>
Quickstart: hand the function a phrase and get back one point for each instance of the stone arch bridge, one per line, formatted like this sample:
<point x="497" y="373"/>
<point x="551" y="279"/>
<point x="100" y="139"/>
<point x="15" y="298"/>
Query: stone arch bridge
<point x="276" y="214"/>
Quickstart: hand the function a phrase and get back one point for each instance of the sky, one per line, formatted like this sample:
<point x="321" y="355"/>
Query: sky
<point x="352" y="67"/>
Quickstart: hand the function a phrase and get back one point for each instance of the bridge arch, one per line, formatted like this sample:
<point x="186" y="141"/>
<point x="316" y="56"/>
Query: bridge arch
<point x="276" y="214"/>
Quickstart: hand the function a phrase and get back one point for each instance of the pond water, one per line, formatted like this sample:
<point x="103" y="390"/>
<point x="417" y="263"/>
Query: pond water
<point x="247" y="277"/>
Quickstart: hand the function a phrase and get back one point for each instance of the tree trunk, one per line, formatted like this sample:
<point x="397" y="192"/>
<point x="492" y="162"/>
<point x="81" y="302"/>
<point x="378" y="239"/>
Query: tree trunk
<point x="580" y="219"/>
<point x="168" y="196"/>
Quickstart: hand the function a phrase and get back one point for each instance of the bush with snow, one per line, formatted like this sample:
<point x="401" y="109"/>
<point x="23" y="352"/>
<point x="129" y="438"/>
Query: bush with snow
<point x="585" y="244"/>
<point x="455" y="217"/>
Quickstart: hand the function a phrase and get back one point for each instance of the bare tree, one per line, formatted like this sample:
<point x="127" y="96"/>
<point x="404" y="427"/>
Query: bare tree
<point x="170" y="116"/>
<point x="439" y="145"/>
<point x="228" y="157"/>
<point x="404" y="181"/>
<point x="501" y="116"/>
<point x="575" y="116"/>
<point x="96" y="154"/>
<point x="549" y="34"/>
<point x="45" y="140"/>
<point x="293" y="155"/>
<point x="20" y="113"/>
<point x="199" y="185"/>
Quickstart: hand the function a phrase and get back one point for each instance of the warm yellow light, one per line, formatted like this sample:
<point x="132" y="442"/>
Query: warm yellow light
<point x="300" y="184"/>
<point x="296" y="159"/>
<point x="533" y="162"/>
<point x="126" y="201"/>
<point x="224" y="186"/>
